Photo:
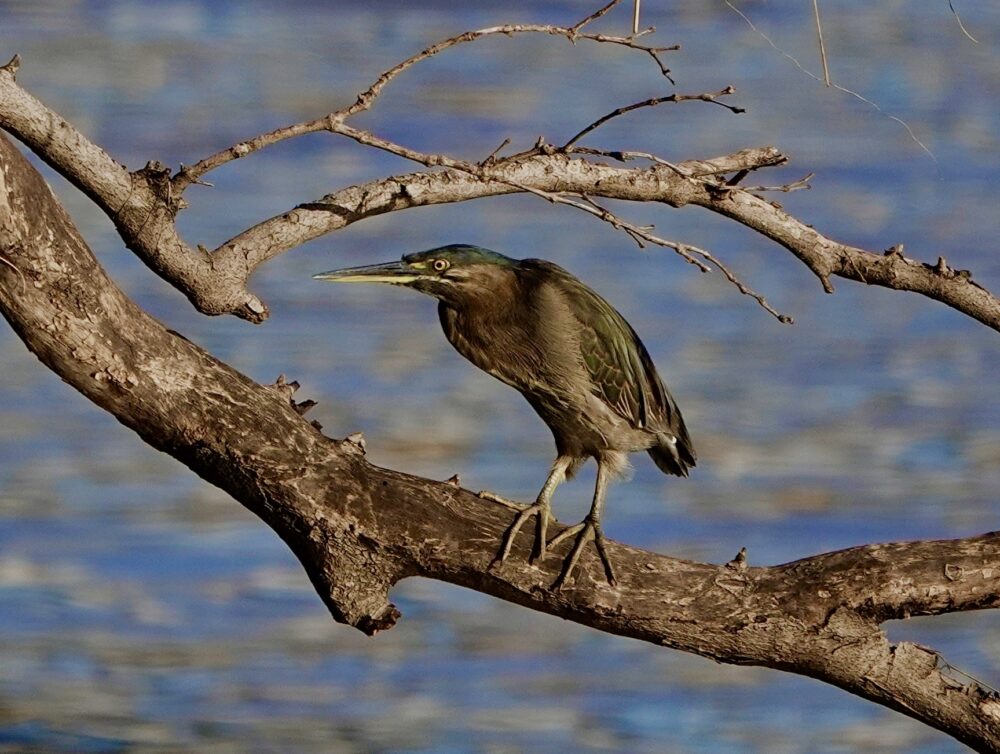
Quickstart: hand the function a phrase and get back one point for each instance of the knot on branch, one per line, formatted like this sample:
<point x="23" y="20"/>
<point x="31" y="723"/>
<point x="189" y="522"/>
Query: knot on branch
<point x="157" y="176"/>
<point x="12" y="66"/>
<point x="739" y="562"/>
<point x="286" y="390"/>
<point x="949" y="273"/>
<point x="355" y="443"/>
<point x="221" y="292"/>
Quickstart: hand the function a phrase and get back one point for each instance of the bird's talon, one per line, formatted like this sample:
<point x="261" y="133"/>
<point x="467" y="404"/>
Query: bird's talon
<point x="524" y="513"/>
<point x="586" y="531"/>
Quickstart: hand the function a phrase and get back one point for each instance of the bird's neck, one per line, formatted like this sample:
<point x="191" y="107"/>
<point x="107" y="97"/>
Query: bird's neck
<point x="477" y="325"/>
<point x="497" y="306"/>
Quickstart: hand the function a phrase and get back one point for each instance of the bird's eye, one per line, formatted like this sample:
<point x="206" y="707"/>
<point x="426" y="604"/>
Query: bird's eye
<point x="440" y="265"/>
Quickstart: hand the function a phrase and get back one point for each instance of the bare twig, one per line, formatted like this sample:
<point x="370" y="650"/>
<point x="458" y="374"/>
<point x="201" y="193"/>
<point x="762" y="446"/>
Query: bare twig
<point x="822" y="44"/>
<point x="190" y="174"/>
<point x="712" y="97"/>
<point x="742" y="288"/>
<point x="800" y="184"/>
<point x="960" y="24"/>
<point x="641" y="234"/>
<point x="491" y="157"/>
<point x="12" y="65"/>
<point x="575" y="29"/>
<point x="792" y="59"/>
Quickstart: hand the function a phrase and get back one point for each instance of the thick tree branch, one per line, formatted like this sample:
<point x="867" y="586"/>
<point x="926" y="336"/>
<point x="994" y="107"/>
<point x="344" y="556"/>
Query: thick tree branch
<point x="675" y="185"/>
<point x="358" y="529"/>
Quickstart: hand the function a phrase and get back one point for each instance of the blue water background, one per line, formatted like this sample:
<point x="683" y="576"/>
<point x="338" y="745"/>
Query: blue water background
<point x="142" y="610"/>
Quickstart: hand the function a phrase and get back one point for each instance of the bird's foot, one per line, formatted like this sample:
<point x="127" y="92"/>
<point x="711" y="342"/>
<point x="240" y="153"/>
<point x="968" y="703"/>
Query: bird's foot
<point x="524" y="512"/>
<point x="586" y="530"/>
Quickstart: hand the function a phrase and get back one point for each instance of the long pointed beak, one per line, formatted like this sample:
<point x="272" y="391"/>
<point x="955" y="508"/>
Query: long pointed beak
<point x="394" y="273"/>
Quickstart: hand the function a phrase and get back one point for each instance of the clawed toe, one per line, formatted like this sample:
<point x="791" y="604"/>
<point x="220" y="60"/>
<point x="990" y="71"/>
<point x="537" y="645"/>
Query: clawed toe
<point x="585" y="531"/>
<point x="524" y="513"/>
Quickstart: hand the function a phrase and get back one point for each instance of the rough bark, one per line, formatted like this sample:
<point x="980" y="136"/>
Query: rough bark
<point x="358" y="529"/>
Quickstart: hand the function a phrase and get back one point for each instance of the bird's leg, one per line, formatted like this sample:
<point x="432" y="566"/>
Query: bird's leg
<point x="542" y="507"/>
<point x="586" y="530"/>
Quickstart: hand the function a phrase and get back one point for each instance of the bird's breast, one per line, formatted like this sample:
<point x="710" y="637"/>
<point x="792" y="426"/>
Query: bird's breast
<point x="495" y="344"/>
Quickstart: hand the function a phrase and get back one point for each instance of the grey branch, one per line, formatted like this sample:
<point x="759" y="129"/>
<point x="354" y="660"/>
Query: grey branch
<point x="653" y="102"/>
<point x="359" y="529"/>
<point x="144" y="203"/>
<point x="191" y="174"/>
<point x="143" y="206"/>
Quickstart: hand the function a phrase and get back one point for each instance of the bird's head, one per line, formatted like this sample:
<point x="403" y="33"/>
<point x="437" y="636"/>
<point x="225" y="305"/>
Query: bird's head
<point x="450" y="273"/>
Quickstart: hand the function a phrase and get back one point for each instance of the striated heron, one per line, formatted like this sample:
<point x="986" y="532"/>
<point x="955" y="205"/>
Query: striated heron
<point x="580" y="365"/>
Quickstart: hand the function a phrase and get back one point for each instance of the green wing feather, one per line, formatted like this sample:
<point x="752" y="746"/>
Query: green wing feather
<point x="621" y="371"/>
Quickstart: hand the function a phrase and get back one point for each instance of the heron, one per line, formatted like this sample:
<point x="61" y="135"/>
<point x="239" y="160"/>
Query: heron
<point x="534" y="326"/>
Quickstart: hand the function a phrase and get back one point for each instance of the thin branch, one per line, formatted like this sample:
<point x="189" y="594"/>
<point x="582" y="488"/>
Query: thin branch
<point x="743" y="288"/>
<point x="822" y="44"/>
<point x="189" y="174"/>
<point x="548" y="171"/>
<point x="639" y="234"/>
<point x="744" y="160"/>
<point x="838" y="87"/>
<point x="575" y="29"/>
<point x="712" y="97"/>
<point x="799" y="185"/>
<point x="960" y="24"/>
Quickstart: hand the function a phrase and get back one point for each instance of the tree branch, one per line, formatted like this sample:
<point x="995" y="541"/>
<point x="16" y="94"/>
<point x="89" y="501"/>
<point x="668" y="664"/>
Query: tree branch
<point x="141" y="203"/>
<point x="358" y="529"/>
<point x="653" y="102"/>
<point x="188" y="175"/>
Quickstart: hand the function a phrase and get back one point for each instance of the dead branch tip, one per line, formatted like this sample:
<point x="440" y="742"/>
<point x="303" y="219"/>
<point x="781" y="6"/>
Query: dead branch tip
<point x="739" y="562"/>
<point x="12" y="65"/>
<point x="355" y="440"/>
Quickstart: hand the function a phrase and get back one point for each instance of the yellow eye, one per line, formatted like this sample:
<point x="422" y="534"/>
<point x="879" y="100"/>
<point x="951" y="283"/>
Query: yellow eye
<point x="440" y="265"/>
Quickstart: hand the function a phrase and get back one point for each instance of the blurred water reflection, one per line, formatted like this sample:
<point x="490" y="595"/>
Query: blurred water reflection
<point x="143" y="611"/>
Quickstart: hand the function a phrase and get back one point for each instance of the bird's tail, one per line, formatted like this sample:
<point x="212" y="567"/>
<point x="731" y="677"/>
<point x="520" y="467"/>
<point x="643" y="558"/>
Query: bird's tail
<point x="673" y="455"/>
